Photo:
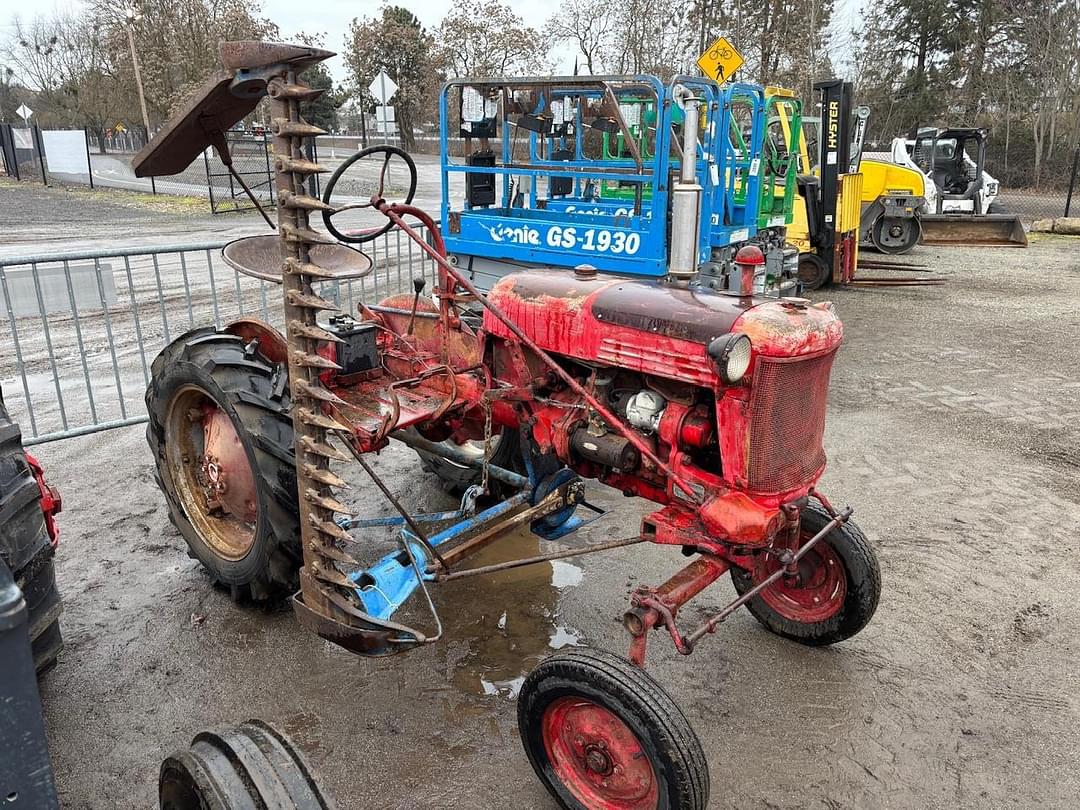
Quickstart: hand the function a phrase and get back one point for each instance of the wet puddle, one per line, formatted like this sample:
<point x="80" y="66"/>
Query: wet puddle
<point x="499" y="626"/>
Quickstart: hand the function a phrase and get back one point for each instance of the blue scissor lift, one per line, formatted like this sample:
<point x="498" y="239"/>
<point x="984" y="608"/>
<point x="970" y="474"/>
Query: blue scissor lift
<point x="527" y="186"/>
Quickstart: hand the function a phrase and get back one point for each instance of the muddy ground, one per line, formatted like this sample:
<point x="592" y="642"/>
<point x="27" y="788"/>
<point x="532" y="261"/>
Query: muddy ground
<point x="954" y="428"/>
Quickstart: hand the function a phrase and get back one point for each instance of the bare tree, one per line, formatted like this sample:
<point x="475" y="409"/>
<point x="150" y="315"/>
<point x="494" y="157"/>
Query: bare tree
<point x="486" y="38"/>
<point x="589" y="26"/>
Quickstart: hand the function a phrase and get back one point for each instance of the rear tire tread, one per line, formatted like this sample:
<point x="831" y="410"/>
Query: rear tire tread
<point x="25" y="545"/>
<point x="245" y="383"/>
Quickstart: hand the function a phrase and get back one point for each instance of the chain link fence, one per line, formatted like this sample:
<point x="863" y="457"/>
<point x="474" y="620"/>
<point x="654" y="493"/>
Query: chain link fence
<point x="251" y="152"/>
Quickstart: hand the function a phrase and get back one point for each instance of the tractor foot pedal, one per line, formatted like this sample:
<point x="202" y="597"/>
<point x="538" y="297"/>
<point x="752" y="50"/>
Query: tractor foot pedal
<point x="340" y="622"/>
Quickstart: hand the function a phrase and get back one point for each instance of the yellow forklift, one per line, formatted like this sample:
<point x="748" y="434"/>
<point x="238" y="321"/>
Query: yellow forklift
<point x="845" y="201"/>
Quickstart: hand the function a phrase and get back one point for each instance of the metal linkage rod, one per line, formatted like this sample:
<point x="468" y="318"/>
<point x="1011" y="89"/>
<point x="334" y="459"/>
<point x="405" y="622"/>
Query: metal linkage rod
<point x="448" y="452"/>
<point x="557" y="555"/>
<point x="420" y="534"/>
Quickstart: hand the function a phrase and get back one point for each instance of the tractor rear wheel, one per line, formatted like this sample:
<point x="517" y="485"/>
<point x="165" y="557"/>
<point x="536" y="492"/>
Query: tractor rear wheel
<point x="601" y="733"/>
<point x="25" y="544"/>
<point x="895" y="236"/>
<point x="814" y="273"/>
<point x="836" y="591"/>
<point x="222" y="437"/>
<point x="249" y="767"/>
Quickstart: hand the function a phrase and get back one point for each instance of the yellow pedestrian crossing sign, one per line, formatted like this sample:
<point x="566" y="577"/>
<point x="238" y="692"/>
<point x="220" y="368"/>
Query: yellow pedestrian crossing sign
<point x="720" y="60"/>
<point x="120" y="127"/>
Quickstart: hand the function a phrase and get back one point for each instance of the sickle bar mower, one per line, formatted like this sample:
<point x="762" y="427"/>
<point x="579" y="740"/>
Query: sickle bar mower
<point x="710" y="404"/>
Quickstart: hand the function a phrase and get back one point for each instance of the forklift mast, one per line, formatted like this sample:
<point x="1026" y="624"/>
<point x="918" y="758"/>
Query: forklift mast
<point x="835" y="158"/>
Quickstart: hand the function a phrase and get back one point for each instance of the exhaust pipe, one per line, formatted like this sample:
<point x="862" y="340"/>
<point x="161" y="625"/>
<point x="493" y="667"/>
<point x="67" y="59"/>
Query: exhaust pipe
<point x="686" y="196"/>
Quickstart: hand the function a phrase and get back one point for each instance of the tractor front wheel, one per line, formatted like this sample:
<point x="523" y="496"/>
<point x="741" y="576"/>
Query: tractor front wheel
<point x="835" y="593"/>
<point x="601" y="733"/>
<point x="222" y="437"/>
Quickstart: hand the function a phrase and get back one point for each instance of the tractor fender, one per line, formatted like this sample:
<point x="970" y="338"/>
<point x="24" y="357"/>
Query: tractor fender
<point x="272" y="344"/>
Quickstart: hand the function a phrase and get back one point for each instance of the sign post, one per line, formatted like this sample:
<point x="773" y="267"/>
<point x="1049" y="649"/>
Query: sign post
<point x="25" y="113"/>
<point x="382" y="89"/>
<point x="720" y="60"/>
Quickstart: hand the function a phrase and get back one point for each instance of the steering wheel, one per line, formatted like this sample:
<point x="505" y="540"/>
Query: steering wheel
<point x="358" y="237"/>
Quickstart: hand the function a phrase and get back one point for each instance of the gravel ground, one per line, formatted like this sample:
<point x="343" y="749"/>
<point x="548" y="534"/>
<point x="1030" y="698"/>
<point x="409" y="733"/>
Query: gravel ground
<point x="40" y="220"/>
<point x="953" y="431"/>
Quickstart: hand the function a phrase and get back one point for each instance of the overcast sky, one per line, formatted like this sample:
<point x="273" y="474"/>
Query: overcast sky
<point x="332" y="17"/>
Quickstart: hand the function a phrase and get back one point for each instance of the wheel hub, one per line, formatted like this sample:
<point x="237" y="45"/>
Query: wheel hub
<point x="814" y="594"/>
<point x="598" y="760"/>
<point x="213" y="479"/>
<point x="224" y="471"/>
<point x="598" y="757"/>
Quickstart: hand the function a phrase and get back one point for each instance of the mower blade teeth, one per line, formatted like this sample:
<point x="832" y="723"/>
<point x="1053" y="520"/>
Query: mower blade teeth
<point x="314" y="419"/>
<point x="326" y="502"/>
<point x="299" y="166"/>
<point x="282" y="127"/>
<point x="300" y="92"/>
<point x="314" y="332"/>
<point x="304" y="201"/>
<point x="312" y="360"/>
<point x="297" y="268"/>
<point x="325" y="477"/>
<point x="299" y="299"/>
<point x="330" y="529"/>
<point x="316" y="392"/>
<point x="333" y="553"/>
<point x="321" y="449"/>
<point x="328" y="573"/>
<point x="305" y="235"/>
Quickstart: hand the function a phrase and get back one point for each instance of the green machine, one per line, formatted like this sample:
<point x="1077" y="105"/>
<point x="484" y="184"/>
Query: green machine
<point x="781" y="158"/>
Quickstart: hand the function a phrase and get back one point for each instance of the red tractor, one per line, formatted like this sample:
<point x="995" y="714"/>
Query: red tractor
<point x="710" y="405"/>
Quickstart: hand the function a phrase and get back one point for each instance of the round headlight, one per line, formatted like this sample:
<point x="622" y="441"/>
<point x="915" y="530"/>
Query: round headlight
<point x="732" y="356"/>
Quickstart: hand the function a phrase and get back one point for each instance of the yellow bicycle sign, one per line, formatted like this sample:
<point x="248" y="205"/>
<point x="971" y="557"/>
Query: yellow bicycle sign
<point x="720" y="60"/>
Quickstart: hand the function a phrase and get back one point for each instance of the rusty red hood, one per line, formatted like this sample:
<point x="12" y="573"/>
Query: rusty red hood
<point x="574" y="315"/>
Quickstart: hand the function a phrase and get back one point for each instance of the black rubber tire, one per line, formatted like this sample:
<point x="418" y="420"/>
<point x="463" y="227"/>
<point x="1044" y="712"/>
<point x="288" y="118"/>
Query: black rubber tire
<point x="666" y="735"/>
<point x="455" y="478"/>
<point x="863" y="586"/>
<point x="914" y="237"/>
<point x="813" y="272"/>
<point x="248" y="767"/>
<point x="25" y="545"/>
<point x="254" y="393"/>
<point x="997" y="208"/>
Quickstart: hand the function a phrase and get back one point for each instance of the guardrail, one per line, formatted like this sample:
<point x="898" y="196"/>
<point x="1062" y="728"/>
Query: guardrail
<point x="82" y="327"/>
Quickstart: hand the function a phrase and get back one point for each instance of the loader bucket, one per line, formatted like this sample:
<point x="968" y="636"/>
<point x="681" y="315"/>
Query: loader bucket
<point x="986" y="230"/>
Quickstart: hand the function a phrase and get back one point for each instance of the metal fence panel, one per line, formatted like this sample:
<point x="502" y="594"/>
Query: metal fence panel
<point x="82" y="328"/>
<point x="250" y="151"/>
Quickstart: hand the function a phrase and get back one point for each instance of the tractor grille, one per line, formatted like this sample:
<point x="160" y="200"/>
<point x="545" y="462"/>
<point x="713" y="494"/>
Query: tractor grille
<point x="787" y="421"/>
